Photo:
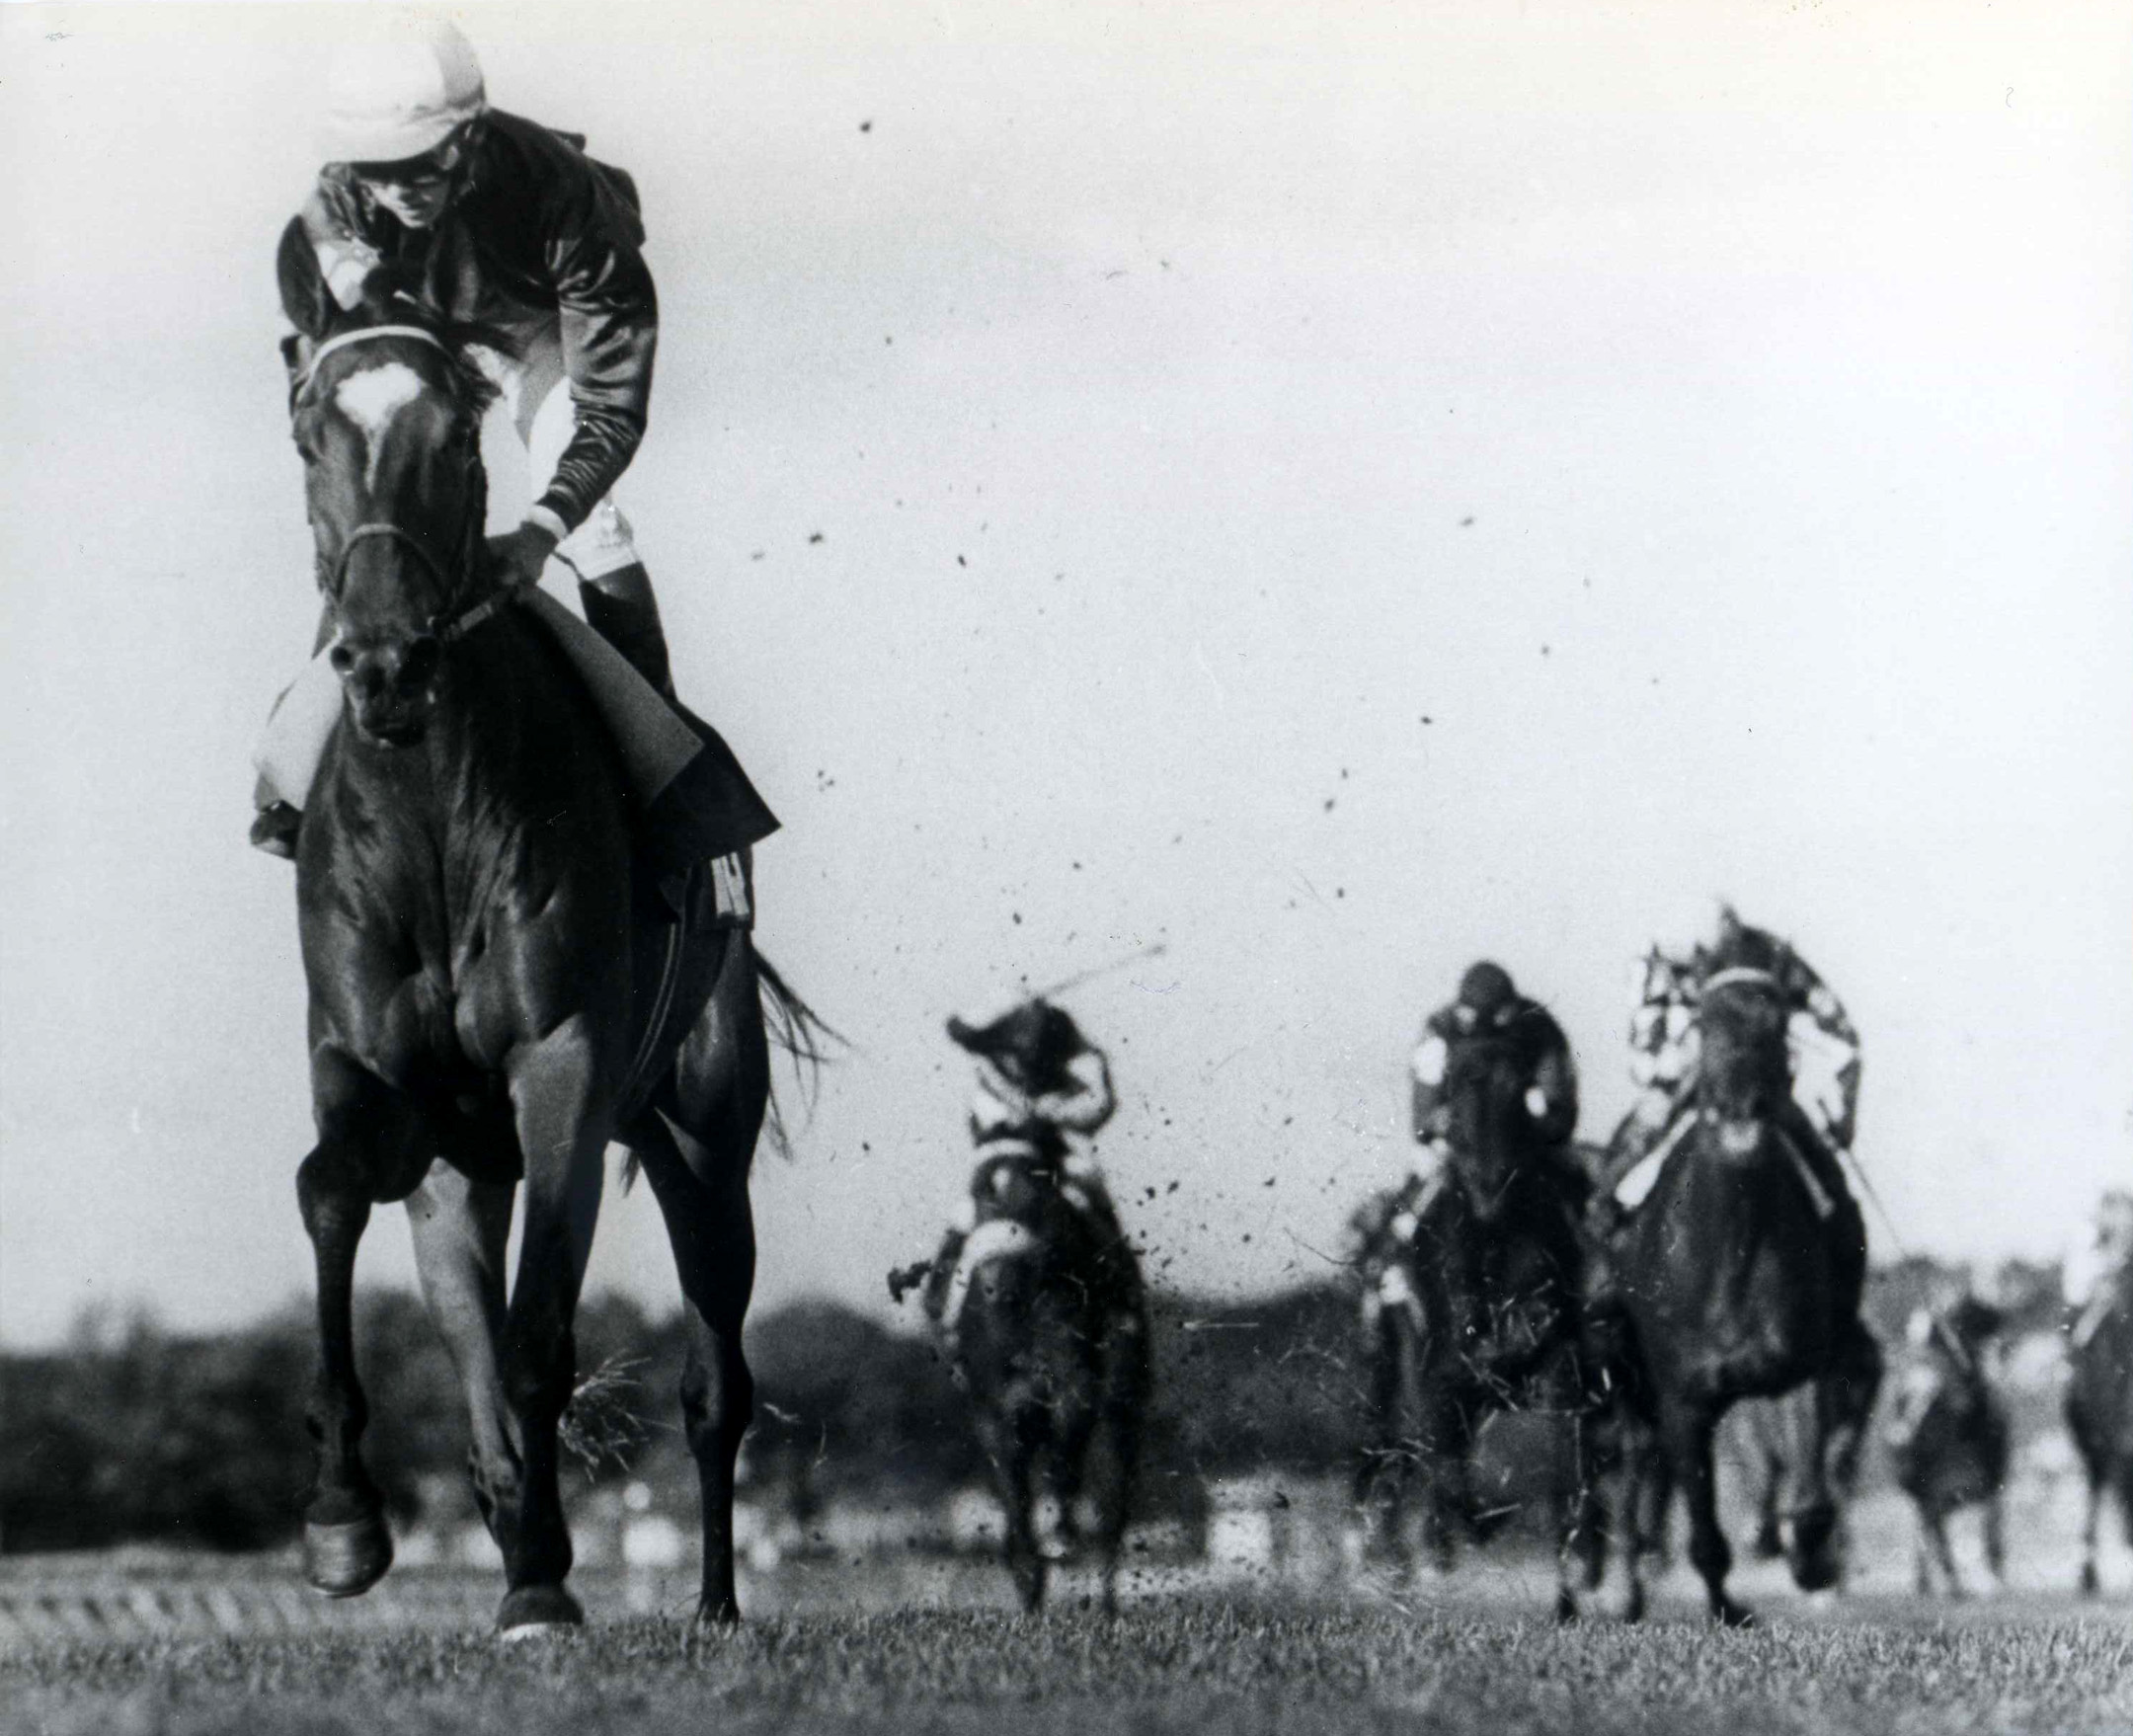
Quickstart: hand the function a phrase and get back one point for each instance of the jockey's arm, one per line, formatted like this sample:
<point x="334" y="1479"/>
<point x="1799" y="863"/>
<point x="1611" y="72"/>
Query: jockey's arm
<point x="1088" y="1102"/>
<point x="1552" y="1097"/>
<point x="1426" y="1072"/>
<point x="608" y="312"/>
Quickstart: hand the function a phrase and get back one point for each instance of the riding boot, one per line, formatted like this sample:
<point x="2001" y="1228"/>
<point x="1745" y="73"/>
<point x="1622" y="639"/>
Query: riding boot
<point x="622" y="610"/>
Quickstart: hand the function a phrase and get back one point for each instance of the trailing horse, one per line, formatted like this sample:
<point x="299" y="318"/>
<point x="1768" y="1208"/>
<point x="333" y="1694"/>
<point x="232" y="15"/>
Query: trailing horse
<point x="1043" y="1321"/>
<point x="2099" y="1415"/>
<point x="1476" y="1305"/>
<point x="1739" y="1277"/>
<point x="497" y="988"/>
<point x="1948" y="1438"/>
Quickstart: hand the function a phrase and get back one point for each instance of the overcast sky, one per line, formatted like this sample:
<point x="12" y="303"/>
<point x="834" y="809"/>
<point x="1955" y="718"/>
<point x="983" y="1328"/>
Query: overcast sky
<point x="1336" y="489"/>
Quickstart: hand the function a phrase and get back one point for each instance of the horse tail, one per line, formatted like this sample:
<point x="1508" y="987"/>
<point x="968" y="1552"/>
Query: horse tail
<point x="803" y="1034"/>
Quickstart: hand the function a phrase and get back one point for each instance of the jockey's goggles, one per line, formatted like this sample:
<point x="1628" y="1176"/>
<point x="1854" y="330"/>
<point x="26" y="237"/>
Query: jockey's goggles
<point x="423" y="173"/>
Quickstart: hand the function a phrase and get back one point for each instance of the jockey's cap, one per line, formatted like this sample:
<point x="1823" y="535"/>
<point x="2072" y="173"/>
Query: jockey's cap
<point x="1032" y="1041"/>
<point x="1486" y="989"/>
<point x="399" y="89"/>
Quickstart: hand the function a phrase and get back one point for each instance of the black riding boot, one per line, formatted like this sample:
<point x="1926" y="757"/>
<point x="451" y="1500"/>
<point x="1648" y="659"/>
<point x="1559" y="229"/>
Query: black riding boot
<point x="622" y="610"/>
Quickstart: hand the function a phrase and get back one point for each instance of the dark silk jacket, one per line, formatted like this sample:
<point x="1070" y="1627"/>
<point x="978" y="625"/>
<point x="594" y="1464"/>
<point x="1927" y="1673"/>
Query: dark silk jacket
<point x="540" y="242"/>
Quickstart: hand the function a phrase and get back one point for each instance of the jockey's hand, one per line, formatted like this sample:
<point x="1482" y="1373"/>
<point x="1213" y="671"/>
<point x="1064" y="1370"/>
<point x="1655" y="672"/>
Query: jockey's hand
<point x="517" y="558"/>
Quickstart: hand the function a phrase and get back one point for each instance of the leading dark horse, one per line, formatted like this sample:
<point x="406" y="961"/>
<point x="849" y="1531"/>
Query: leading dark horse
<point x="1480" y="1309"/>
<point x="1736" y="1284"/>
<point x="2100" y="1414"/>
<point x="486" y="1002"/>
<point x="1041" y="1313"/>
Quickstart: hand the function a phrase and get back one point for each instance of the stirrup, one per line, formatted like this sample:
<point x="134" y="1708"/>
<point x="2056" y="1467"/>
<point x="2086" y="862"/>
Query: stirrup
<point x="274" y="827"/>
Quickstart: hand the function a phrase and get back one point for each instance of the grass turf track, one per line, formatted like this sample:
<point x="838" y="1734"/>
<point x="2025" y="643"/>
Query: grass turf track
<point x="1239" y="1667"/>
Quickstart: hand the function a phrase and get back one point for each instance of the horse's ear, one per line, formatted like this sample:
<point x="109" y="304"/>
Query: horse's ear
<point x="305" y="298"/>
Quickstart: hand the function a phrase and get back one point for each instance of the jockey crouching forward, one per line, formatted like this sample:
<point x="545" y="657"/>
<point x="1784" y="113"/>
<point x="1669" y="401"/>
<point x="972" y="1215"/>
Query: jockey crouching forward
<point x="2096" y="1266"/>
<point x="1040" y="1084"/>
<point x="1819" y="1116"/>
<point x="434" y="207"/>
<point x="1489" y="1004"/>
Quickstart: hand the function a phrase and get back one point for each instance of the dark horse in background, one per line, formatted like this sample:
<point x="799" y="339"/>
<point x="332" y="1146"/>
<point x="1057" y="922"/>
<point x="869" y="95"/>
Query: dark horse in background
<point x="1479" y="1309"/>
<point x="2100" y="1414"/>
<point x="487" y="998"/>
<point x="1947" y="1436"/>
<point x="1734" y="1284"/>
<point x="1043" y="1317"/>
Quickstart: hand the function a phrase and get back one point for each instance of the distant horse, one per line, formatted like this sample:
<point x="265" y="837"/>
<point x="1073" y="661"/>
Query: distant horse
<point x="2099" y="1415"/>
<point x="1041" y="1313"/>
<point x="1474" y="1306"/>
<point x="487" y="1001"/>
<point x="1948" y="1438"/>
<point x="1766" y="1435"/>
<point x="1736" y="1285"/>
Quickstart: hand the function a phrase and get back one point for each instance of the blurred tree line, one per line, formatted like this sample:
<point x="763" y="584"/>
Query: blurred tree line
<point x="131" y="1434"/>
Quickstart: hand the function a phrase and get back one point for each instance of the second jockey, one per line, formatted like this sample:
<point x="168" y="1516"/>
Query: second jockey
<point x="1490" y="1003"/>
<point x="432" y="205"/>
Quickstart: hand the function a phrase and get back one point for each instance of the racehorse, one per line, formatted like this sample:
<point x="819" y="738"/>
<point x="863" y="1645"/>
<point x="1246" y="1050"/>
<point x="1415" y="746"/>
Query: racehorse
<point x="1041" y="1313"/>
<point x="487" y="998"/>
<point x="1735" y="1283"/>
<point x="2099" y="1415"/>
<point x="1479" y="1308"/>
<point x="1947" y="1439"/>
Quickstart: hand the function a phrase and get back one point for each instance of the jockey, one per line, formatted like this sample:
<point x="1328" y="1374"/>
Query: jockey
<point x="431" y="197"/>
<point x="2090" y="1273"/>
<point x="1487" y="1001"/>
<point x="1039" y="1081"/>
<point x="1821" y="1114"/>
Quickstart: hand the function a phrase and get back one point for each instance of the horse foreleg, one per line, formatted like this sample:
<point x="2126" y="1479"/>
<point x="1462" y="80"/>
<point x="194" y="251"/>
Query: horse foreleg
<point x="1009" y="1442"/>
<point x="1122" y="1405"/>
<point x="554" y="1084"/>
<point x="1935" y="1518"/>
<point x="1996" y="1543"/>
<point x="1446" y="1445"/>
<point x="703" y="1196"/>
<point x="1687" y="1430"/>
<point x="1648" y="1499"/>
<point x="348" y="1546"/>
<point x="1807" y="1416"/>
<point x="459" y="1229"/>
<point x="2092" y="1521"/>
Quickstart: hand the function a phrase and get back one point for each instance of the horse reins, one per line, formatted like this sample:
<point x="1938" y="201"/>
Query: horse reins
<point x="376" y="529"/>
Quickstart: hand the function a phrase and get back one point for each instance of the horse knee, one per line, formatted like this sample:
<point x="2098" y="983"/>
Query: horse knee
<point x="537" y="1374"/>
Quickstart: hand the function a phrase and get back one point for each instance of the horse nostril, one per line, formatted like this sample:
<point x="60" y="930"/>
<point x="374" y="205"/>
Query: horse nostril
<point x="421" y="661"/>
<point x="342" y="659"/>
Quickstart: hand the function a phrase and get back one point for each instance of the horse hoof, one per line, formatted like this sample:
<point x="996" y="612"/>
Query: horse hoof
<point x="1729" y="1613"/>
<point x="1566" y="1609"/>
<point x="346" y="1561"/>
<point x="2088" y="1586"/>
<point x="538" y="1612"/>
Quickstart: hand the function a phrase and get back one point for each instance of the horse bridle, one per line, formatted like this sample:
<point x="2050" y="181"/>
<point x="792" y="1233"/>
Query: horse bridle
<point x="1740" y="976"/>
<point x="383" y="529"/>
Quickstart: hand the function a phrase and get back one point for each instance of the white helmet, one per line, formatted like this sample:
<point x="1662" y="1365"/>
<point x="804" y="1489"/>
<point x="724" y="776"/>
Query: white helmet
<point x="399" y="90"/>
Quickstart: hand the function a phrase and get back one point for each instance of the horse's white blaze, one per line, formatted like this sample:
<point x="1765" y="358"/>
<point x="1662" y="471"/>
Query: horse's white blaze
<point x="371" y="399"/>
